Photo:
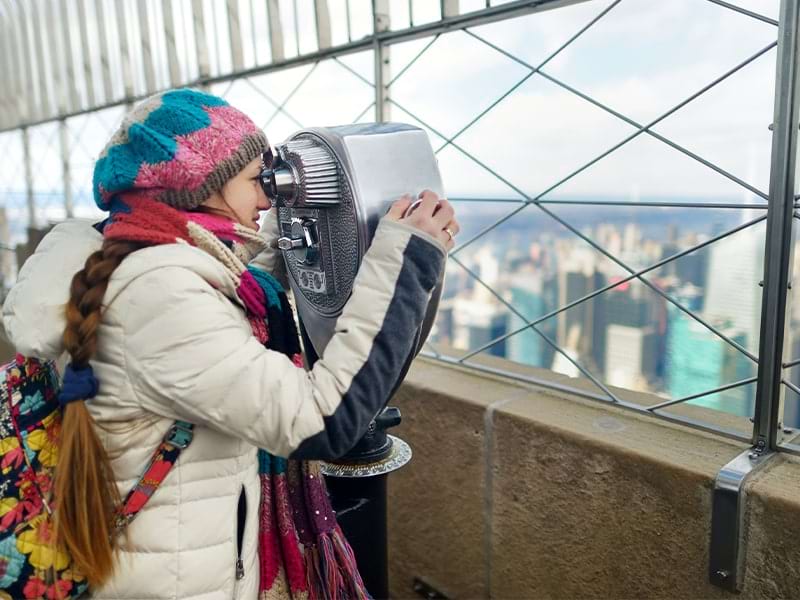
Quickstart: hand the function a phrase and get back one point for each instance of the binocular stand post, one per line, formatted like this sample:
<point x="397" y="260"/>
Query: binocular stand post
<point x="357" y="486"/>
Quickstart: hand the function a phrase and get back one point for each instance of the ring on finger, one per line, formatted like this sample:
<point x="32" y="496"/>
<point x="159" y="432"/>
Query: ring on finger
<point x="449" y="232"/>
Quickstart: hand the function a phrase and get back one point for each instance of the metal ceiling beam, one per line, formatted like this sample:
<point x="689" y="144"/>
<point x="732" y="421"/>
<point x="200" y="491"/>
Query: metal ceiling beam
<point x="275" y="30"/>
<point x="103" y="49"/>
<point x="126" y="56"/>
<point x="449" y="8"/>
<point x="86" y="53"/>
<point x="235" y="31"/>
<point x="19" y="75"/>
<point x="200" y="39"/>
<point x="148" y="61"/>
<point x="45" y="76"/>
<point x="8" y="113"/>
<point x="389" y="37"/>
<point x="52" y="19"/>
<point x="69" y="56"/>
<point x="27" y="66"/>
<point x="322" y="16"/>
<point x="172" y="47"/>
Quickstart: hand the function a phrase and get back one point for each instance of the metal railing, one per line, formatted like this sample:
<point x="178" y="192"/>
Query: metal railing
<point x="294" y="64"/>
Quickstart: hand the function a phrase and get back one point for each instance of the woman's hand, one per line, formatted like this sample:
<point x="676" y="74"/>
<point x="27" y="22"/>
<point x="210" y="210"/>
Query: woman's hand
<point x="433" y="215"/>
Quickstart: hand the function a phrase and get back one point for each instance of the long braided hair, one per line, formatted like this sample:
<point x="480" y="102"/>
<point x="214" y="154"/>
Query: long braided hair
<point x="86" y="495"/>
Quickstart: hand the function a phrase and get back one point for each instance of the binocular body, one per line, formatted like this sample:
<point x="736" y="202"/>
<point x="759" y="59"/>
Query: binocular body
<point x="331" y="186"/>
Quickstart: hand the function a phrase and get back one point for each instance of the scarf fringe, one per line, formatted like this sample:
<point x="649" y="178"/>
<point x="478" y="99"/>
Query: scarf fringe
<point x="331" y="569"/>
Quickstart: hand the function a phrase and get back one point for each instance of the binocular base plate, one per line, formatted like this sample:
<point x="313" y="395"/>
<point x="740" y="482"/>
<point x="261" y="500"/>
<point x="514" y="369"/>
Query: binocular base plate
<point x="399" y="456"/>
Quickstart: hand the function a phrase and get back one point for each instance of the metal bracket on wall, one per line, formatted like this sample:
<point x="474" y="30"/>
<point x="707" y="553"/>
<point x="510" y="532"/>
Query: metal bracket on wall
<point x="726" y="555"/>
<point x="427" y="591"/>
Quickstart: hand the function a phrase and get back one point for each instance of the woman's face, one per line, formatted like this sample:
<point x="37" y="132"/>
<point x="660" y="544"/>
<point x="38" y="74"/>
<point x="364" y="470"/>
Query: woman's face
<point x="242" y="198"/>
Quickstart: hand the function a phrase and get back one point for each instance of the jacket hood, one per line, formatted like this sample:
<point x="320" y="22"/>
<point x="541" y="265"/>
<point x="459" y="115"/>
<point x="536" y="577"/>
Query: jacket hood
<point x="33" y="313"/>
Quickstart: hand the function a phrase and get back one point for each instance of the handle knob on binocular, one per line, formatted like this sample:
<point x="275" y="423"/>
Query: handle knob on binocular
<point x="286" y="243"/>
<point x="304" y="241"/>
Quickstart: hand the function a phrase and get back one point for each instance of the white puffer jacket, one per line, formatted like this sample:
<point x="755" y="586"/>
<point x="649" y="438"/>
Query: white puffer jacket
<point x="174" y="343"/>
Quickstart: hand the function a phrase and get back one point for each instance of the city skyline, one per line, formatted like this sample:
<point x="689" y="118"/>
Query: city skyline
<point x="628" y="336"/>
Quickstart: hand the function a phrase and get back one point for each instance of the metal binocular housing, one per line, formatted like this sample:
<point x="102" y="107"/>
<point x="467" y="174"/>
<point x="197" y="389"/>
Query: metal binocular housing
<point x="331" y="186"/>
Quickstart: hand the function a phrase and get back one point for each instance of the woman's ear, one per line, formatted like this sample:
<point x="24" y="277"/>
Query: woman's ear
<point x="215" y="205"/>
<point x="214" y="201"/>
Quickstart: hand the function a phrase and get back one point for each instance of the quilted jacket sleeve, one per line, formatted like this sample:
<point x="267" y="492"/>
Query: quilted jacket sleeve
<point x="189" y="357"/>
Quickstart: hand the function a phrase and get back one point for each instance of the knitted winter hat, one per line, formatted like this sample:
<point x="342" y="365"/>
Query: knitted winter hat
<point x="177" y="147"/>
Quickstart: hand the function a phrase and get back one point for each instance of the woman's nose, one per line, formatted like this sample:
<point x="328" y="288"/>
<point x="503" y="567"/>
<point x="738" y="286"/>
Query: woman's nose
<point x="264" y="203"/>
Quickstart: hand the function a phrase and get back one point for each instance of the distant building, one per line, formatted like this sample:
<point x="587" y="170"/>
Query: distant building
<point x="630" y="305"/>
<point x="527" y="297"/>
<point x="732" y="292"/>
<point x="587" y="318"/>
<point x="476" y="323"/>
<point x="690" y="268"/>
<point x="791" y="406"/>
<point x="632" y="337"/>
<point x="699" y="360"/>
<point x="631" y="356"/>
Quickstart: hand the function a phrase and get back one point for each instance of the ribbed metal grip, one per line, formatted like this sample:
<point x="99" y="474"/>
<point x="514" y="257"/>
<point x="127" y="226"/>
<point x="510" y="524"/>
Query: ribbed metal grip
<point x="316" y="173"/>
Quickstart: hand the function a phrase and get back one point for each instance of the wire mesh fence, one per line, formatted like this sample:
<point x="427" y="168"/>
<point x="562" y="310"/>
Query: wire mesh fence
<point x="610" y="161"/>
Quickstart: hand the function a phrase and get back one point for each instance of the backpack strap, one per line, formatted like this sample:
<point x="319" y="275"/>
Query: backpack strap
<point x="176" y="440"/>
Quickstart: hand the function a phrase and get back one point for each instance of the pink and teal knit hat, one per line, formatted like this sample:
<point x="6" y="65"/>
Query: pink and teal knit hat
<point x="177" y="147"/>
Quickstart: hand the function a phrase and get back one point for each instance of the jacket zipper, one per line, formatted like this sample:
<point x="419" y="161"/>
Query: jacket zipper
<point x="241" y="517"/>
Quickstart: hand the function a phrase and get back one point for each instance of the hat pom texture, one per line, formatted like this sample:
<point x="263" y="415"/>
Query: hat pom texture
<point x="177" y="147"/>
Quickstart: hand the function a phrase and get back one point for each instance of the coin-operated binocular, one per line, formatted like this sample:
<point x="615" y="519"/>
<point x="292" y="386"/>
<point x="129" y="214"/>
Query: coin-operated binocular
<point x="331" y="186"/>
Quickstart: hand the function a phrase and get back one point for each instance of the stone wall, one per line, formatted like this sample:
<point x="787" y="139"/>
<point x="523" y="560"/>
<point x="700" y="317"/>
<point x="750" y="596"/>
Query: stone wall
<point x="520" y="492"/>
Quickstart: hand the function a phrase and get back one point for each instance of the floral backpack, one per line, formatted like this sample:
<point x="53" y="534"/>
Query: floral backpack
<point x="30" y="421"/>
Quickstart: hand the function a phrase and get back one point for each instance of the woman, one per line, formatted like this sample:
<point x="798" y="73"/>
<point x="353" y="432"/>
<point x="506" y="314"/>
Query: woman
<point x="166" y="323"/>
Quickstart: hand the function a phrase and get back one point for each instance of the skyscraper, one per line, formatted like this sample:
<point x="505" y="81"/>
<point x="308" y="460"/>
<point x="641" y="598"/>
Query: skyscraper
<point x="478" y="321"/>
<point x="735" y="267"/>
<point x="526" y="296"/>
<point x="631" y="356"/>
<point x="699" y="360"/>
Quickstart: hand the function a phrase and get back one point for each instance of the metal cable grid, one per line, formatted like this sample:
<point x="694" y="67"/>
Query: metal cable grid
<point x="541" y="201"/>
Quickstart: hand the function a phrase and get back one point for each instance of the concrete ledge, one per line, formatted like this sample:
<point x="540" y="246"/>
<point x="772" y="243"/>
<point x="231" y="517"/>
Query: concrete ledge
<point x="520" y="492"/>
